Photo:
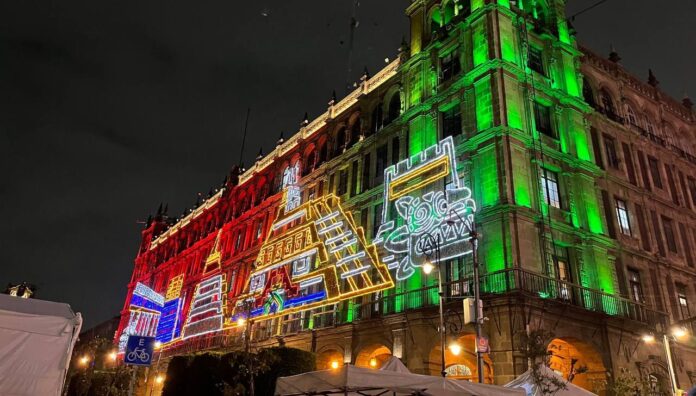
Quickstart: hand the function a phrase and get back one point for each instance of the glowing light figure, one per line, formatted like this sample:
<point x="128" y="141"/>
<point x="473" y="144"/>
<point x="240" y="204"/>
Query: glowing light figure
<point x="432" y="210"/>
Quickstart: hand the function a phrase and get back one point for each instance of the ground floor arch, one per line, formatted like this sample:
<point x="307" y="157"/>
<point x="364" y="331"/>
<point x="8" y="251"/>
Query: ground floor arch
<point x="460" y="365"/>
<point x="373" y="356"/>
<point x="578" y="362"/>
<point x="329" y="358"/>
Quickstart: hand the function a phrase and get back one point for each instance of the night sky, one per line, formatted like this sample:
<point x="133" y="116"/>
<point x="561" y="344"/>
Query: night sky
<point x="108" y="108"/>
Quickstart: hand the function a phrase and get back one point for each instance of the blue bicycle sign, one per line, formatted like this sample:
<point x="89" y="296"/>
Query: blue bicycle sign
<point x="139" y="350"/>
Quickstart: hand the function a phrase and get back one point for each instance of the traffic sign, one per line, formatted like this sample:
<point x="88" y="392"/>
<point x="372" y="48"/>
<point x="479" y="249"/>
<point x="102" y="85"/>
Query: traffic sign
<point x="482" y="345"/>
<point x="139" y="350"/>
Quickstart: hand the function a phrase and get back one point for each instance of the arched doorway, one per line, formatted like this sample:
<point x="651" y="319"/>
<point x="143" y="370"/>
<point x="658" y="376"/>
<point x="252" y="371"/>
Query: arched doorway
<point x="329" y="358"/>
<point x="462" y="365"/>
<point x="578" y="362"/>
<point x="373" y="356"/>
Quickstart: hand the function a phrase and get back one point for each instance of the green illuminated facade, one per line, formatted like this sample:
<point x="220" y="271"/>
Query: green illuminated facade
<point x="575" y="236"/>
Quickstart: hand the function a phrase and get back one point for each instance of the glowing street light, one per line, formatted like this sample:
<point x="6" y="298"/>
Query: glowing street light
<point x="334" y="364"/>
<point x="241" y="321"/>
<point x="159" y="379"/>
<point x="428" y="267"/>
<point x="455" y="348"/>
<point x="158" y="344"/>
<point x="84" y="360"/>
<point x="679" y="332"/>
<point x="648" y="338"/>
<point x="373" y="362"/>
<point x="113" y="355"/>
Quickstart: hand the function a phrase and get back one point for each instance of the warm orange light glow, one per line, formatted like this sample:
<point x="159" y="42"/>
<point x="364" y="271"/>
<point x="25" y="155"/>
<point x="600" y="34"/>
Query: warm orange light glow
<point x="113" y="355"/>
<point x="334" y="364"/>
<point x="159" y="379"/>
<point x="84" y="360"/>
<point x="455" y="348"/>
<point x="679" y="332"/>
<point x="373" y="362"/>
<point x="158" y="345"/>
<point x="241" y="322"/>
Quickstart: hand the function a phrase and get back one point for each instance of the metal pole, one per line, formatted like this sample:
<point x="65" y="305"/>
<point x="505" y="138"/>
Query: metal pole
<point x="441" y="296"/>
<point x="670" y="363"/>
<point x="131" y="386"/>
<point x="247" y="349"/>
<point x="477" y="300"/>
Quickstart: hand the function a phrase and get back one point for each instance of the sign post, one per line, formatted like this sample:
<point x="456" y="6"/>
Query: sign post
<point x="139" y="351"/>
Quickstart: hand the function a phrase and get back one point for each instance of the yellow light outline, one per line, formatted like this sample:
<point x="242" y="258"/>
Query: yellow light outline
<point x="414" y="173"/>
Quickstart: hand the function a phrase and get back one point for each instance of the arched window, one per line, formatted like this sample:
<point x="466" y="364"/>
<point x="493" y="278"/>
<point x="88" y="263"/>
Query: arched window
<point x="649" y="124"/>
<point x="376" y="120"/>
<point x="394" y="107"/>
<point x="447" y="12"/>
<point x="355" y="132"/>
<point x="435" y="20"/>
<point x="607" y="104"/>
<point x="322" y="154"/>
<point x="308" y="165"/>
<point x="588" y="95"/>
<point x="340" y="140"/>
<point x="631" y="115"/>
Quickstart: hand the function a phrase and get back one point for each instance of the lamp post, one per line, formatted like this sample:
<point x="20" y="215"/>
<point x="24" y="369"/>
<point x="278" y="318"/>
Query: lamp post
<point x="677" y="332"/>
<point x="246" y="322"/>
<point x="427" y="241"/>
<point x="478" y="311"/>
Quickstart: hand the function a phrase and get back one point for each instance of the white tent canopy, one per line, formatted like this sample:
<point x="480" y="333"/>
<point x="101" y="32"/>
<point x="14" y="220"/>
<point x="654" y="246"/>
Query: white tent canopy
<point x="391" y="380"/>
<point x="526" y="382"/>
<point x="36" y="341"/>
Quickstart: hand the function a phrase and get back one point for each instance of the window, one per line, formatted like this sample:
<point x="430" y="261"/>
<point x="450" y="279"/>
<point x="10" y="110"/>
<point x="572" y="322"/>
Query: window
<point x="631" y="115"/>
<point x="671" y="184"/>
<point x="542" y="119"/>
<point x="610" y="151"/>
<point x="668" y="227"/>
<point x="536" y="61"/>
<point x="608" y="105"/>
<point x="692" y="189"/>
<point x="354" y="179"/>
<point x="655" y="171"/>
<point x="549" y="187"/>
<point x="449" y="66"/>
<point x="635" y="289"/>
<point x="683" y="302"/>
<point x="642" y="227"/>
<point x="649" y="124"/>
<point x="342" y="182"/>
<point x="376" y="219"/>
<point x="238" y="243"/>
<point x="259" y="229"/>
<point x="394" y="109"/>
<point x="622" y="216"/>
<point x="395" y="150"/>
<point x="366" y="173"/>
<point x="628" y="159"/>
<point x="452" y="121"/>
<point x="563" y="272"/>
<point x="381" y="163"/>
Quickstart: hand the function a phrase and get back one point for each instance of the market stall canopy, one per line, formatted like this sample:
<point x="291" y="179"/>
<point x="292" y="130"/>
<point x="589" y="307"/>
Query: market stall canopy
<point x="526" y="382"/>
<point x="36" y="341"/>
<point x="353" y="381"/>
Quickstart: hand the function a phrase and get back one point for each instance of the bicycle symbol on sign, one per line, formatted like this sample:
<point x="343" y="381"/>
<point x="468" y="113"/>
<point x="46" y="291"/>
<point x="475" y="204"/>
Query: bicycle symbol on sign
<point x="139" y="354"/>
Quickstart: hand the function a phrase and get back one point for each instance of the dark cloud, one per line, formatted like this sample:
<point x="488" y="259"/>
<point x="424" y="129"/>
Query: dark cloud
<point x="108" y="108"/>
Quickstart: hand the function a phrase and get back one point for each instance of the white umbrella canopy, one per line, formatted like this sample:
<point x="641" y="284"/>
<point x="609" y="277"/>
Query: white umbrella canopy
<point x="526" y="382"/>
<point x="351" y="380"/>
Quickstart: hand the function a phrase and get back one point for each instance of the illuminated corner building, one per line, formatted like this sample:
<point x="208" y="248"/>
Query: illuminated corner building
<point x="584" y="199"/>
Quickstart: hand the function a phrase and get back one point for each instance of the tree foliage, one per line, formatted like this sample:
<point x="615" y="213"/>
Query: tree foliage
<point x="535" y="349"/>
<point x="230" y="374"/>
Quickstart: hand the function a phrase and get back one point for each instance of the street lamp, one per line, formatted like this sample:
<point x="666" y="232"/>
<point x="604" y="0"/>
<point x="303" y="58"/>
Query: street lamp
<point x="246" y="322"/>
<point x="677" y="333"/>
<point x="428" y="241"/>
<point x="84" y="360"/>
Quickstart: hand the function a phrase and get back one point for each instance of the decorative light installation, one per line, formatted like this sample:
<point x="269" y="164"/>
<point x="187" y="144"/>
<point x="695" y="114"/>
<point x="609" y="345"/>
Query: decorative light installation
<point x="315" y="254"/>
<point x="145" y="309"/>
<point x="429" y="198"/>
<point x="207" y="305"/>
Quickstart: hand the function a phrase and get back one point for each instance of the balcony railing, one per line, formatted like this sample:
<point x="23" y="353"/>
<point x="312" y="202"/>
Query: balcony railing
<point x="529" y="284"/>
<point x="514" y="280"/>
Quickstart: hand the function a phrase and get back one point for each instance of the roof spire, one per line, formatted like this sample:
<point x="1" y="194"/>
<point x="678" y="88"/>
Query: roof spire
<point x="280" y="139"/>
<point x="613" y="55"/>
<point x="305" y="120"/>
<point x="652" y="80"/>
<point x="686" y="101"/>
<point x="259" y="156"/>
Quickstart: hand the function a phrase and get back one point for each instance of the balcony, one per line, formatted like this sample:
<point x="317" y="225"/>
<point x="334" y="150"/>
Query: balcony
<point x="527" y="283"/>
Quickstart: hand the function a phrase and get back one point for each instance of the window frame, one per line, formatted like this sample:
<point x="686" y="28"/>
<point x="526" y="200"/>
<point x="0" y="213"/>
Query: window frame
<point x="623" y="216"/>
<point x="551" y="199"/>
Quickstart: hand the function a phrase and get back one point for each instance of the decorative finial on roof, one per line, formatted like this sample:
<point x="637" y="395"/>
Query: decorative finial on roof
<point x="305" y="120"/>
<point x="259" y="156"/>
<point x="404" y="45"/>
<point x="159" y="210"/>
<point x="613" y="55"/>
<point x="366" y="74"/>
<point x="652" y="80"/>
<point x="686" y="102"/>
<point x="166" y="209"/>
<point x="280" y="139"/>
